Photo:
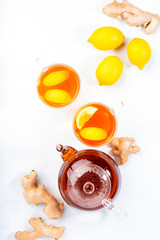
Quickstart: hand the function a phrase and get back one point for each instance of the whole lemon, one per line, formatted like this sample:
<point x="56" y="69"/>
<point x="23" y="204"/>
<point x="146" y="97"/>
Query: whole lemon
<point x="139" y="52"/>
<point x="109" y="70"/>
<point x="106" y="38"/>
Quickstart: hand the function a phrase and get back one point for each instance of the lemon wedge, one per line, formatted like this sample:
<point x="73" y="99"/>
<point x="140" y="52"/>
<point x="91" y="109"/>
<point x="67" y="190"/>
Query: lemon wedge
<point x="57" y="96"/>
<point x="93" y="133"/>
<point x="84" y="115"/>
<point x="55" y="78"/>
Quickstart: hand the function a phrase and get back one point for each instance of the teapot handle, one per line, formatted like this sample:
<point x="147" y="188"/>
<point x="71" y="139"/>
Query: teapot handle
<point x="118" y="212"/>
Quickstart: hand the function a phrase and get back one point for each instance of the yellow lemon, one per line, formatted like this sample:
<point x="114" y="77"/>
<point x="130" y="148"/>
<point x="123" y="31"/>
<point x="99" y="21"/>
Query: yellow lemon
<point x="56" y="78"/>
<point x="93" y="133"/>
<point x="106" y="38"/>
<point x="57" y="96"/>
<point x="84" y="115"/>
<point x="139" y="52"/>
<point x="109" y="70"/>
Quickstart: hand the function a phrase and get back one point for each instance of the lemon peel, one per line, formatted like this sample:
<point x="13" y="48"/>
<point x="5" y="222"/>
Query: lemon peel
<point x="93" y="133"/>
<point x="55" y="78"/>
<point x="57" y="96"/>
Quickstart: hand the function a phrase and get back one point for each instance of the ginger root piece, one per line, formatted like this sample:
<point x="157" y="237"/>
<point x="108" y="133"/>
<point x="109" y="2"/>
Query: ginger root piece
<point x="37" y="195"/>
<point x="122" y="147"/>
<point x="40" y="230"/>
<point x="133" y="15"/>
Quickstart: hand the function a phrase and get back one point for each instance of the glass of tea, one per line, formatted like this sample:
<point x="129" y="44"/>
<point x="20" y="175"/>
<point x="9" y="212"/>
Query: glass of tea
<point x="95" y="124"/>
<point x="88" y="179"/>
<point x="58" y="85"/>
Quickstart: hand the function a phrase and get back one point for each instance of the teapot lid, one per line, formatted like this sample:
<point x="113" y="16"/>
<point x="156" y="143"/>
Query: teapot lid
<point x="88" y="184"/>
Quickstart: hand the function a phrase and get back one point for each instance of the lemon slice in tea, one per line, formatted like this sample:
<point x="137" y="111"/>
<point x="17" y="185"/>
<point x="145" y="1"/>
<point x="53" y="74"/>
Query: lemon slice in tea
<point x="84" y="115"/>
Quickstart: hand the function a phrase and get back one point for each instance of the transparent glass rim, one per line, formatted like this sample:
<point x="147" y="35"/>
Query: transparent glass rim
<point x="77" y="81"/>
<point x="113" y="113"/>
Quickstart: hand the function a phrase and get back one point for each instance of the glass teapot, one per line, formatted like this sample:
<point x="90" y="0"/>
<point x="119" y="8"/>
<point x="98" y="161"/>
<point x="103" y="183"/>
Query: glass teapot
<point x="88" y="179"/>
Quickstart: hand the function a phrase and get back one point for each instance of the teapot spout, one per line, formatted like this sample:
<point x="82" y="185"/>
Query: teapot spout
<point x="66" y="151"/>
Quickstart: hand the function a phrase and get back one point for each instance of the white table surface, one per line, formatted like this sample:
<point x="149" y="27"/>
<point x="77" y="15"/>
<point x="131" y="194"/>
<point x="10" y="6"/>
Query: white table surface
<point x="38" y="33"/>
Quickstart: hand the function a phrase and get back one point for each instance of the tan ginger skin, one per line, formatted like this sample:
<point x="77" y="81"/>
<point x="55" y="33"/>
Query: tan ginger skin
<point x="40" y="230"/>
<point x="36" y="195"/>
<point x="133" y="15"/>
<point x="122" y="147"/>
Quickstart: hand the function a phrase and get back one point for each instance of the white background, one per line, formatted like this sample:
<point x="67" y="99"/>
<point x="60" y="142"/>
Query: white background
<point x="38" y="33"/>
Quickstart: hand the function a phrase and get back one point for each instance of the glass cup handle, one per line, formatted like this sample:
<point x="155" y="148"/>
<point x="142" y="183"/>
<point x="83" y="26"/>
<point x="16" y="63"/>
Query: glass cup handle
<point x="119" y="213"/>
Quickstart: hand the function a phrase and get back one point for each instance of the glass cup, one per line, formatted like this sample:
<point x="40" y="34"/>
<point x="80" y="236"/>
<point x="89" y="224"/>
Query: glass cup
<point x="58" y="85"/>
<point x="95" y="124"/>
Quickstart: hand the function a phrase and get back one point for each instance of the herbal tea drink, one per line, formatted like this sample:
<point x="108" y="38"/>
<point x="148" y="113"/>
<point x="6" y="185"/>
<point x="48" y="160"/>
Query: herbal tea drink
<point x="58" y="85"/>
<point x="94" y="124"/>
<point x="87" y="178"/>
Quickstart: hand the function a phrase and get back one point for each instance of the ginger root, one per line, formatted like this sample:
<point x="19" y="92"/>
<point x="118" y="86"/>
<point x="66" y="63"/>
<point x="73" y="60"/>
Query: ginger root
<point x="37" y="195"/>
<point x="122" y="147"/>
<point x="40" y="230"/>
<point x="133" y="15"/>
